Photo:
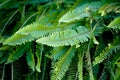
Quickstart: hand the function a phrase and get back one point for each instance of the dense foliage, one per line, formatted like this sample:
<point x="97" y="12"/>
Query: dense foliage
<point x="59" y="39"/>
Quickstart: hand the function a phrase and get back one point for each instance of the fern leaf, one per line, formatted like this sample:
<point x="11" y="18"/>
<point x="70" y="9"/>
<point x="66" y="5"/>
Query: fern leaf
<point x="49" y="18"/>
<point x="66" y="37"/>
<point x="18" y="39"/>
<point x="109" y="7"/>
<point x="58" y="52"/>
<point x="62" y="65"/>
<point x="39" y="57"/>
<point x="18" y="53"/>
<point x="108" y="51"/>
<point x="31" y="60"/>
<point x="115" y="23"/>
<point x="80" y="12"/>
<point x="72" y="73"/>
<point x="80" y="66"/>
<point x="34" y="31"/>
<point x="27" y="34"/>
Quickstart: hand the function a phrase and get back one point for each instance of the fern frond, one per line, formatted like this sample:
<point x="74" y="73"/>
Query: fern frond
<point x="57" y="52"/>
<point x="18" y="53"/>
<point x="115" y="23"/>
<point x="34" y="31"/>
<point x="30" y="60"/>
<point x="72" y="73"/>
<point x="27" y="34"/>
<point x="109" y="7"/>
<point x="61" y="67"/>
<point x="80" y="66"/>
<point x="80" y="12"/>
<point x="108" y="51"/>
<point x="18" y="39"/>
<point x="49" y="18"/>
<point x="66" y="37"/>
<point x="39" y="52"/>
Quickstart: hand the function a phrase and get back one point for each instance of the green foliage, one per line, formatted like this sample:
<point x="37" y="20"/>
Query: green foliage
<point x="108" y="51"/>
<point x="115" y="23"/>
<point x="39" y="53"/>
<point x="18" y="53"/>
<point x="31" y="60"/>
<point x="61" y="66"/>
<point x="59" y="39"/>
<point x="66" y="37"/>
<point x="84" y="10"/>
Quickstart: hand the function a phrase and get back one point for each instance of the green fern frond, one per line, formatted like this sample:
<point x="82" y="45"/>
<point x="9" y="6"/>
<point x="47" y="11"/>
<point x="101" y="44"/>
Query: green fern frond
<point x="115" y="23"/>
<point x="27" y="34"/>
<point x="109" y="7"/>
<point x="61" y="67"/>
<point x="18" y="53"/>
<point x="39" y="53"/>
<point x="80" y="12"/>
<point x="34" y="31"/>
<point x="66" y="37"/>
<point x="57" y="52"/>
<point x="72" y="73"/>
<point x="18" y="39"/>
<point x="49" y="18"/>
<point x="30" y="60"/>
<point x="80" y="66"/>
<point x="108" y="51"/>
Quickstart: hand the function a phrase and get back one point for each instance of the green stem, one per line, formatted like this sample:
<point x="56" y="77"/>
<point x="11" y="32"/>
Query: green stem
<point x="28" y="19"/>
<point x="80" y="65"/>
<point x="3" y="72"/>
<point x="4" y="3"/>
<point x="12" y="71"/>
<point x="9" y="21"/>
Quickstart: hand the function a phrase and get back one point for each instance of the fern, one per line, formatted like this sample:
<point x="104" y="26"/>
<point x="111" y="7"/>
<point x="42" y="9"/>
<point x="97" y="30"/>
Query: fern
<point x="66" y="37"/>
<point x="81" y="52"/>
<point x="49" y="18"/>
<point x="34" y="31"/>
<point x="58" y="52"/>
<point x="107" y="51"/>
<point x="27" y="34"/>
<point x="80" y="12"/>
<point x="39" y="53"/>
<point x="62" y="65"/>
<point x="109" y="7"/>
<point x="18" y="39"/>
<point x="72" y="73"/>
<point x="80" y="66"/>
<point x="31" y="60"/>
<point x="115" y="23"/>
<point x="18" y="53"/>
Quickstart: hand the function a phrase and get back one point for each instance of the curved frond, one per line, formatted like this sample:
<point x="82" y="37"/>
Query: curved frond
<point x="115" y="23"/>
<point x="80" y="12"/>
<point x="61" y="67"/>
<point x="109" y="7"/>
<point x="34" y="31"/>
<point x="39" y="52"/>
<point x="66" y="37"/>
<point x="18" y="39"/>
<point x="27" y="34"/>
<point x="18" y="53"/>
<point x="108" y="51"/>
<point x="57" y="52"/>
<point x="30" y="60"/>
